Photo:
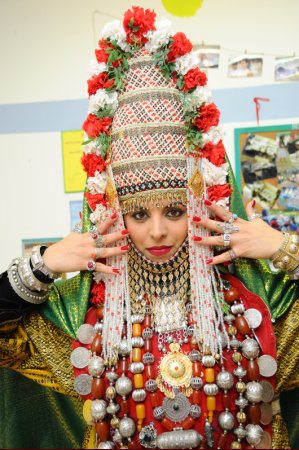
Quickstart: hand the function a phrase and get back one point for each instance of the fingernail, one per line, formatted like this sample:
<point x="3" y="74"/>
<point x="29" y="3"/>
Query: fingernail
<point x="253" y="203"/>
<point x="80" y="215"/>
<point x="207" y="202"/>
<point x="125" y="247"/>
<point x="124" y="232"/>
<point x="114" y="216"/>
<point x="197" y="238"/>
<point x="196" y="219"/>
<point x="115" y="270"/>
<point x="209" y="260"/>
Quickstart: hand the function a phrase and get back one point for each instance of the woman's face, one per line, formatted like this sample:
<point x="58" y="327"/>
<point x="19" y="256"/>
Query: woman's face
<point x="158" y="232"/>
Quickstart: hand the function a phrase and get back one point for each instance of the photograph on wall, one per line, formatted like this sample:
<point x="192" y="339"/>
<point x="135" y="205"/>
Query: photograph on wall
<point x="208" y="56"/>
<point x="245" y="65"/>
<point x="268" y="172"/>
<point x="75" y="212"/>
<point x="287" y="69"/>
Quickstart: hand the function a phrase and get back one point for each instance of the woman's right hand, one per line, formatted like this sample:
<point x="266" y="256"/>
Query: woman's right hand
<point x="72" y="253"/>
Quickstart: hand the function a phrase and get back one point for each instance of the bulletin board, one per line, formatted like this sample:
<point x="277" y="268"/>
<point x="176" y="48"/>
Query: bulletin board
<point x="267" y="170"/>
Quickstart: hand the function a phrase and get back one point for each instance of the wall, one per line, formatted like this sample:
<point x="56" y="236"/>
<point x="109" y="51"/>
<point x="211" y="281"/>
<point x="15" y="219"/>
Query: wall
<point x="45" y="47"/>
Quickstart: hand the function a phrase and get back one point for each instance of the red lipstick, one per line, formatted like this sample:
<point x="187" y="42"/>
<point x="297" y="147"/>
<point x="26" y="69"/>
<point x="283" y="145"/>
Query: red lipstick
<point x="159" y="251"/>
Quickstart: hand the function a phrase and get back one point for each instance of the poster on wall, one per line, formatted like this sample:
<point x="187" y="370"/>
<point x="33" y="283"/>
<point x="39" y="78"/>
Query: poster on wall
<point x="287" y="69"/>
<point x="267" y="169"/>
<point x="76" y="207"/>
<point x="74" y="175"/>
<point x="244" y="66"/>
<point x="208" y="56"/>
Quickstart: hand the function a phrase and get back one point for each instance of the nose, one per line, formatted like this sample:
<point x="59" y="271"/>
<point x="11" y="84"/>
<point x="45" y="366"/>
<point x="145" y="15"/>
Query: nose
<point x="157" y="227"/>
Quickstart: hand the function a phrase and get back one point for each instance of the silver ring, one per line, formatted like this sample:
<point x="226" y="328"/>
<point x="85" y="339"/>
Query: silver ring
<point x="100" y="241"/>
<point x="227" y="227"/>
<point x="91" y="265"/>
<point x="77" y="228"/>
<point x="233" y="218"/>
<point x="232" y="254"/>
<point x="254" y="216"/>
<point x="226" y="240"/>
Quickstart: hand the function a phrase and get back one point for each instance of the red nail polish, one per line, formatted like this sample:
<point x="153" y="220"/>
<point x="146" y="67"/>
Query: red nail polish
<point x="114" y="216"/>
<point x="115" y="270"/>
<point x="197" y="238"/>
<point x="196" y="219"/>
<point x="125" y="247"/>
<point x="209" y="260"/>
<point x="207" y="202"/>
<point x="124" y="232"/>
<point x="253" y="203"/>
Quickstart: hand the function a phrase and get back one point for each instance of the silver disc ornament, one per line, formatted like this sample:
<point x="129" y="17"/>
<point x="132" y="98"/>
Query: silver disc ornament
<point x="177" y="408"/>
<point x="265" y="441"/>
<point x="86" y="333"/>
<point x="267" y="365"/>
<point x="266" y="413"/>
<point x="253" y="317"/>
<point x="80" y="357"/>
<point x="268" y="391"/>
<point x="82" y="384"/>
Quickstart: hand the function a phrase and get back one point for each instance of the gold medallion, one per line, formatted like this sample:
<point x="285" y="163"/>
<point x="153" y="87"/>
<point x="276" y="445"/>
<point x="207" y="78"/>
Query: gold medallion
<point x="175" y="372"/>
<point x="195" y="184"/>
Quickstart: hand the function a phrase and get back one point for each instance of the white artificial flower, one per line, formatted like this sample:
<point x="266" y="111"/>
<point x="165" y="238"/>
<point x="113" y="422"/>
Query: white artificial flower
<point x="224" y="202"/>
<point x="96" y="68"/>
<point x="186" y="62"/>
<point x="214" y="135"/>
<point x="194" y="100"/>
<point x="101" y="99"/>
<point x="158" y="37"/>
<point x="98" y="183"/>
<point x="100" y="214"/>
<point x="91" y="147"/>
<point x="214" y="175"/>
<point x="114" y="31"/>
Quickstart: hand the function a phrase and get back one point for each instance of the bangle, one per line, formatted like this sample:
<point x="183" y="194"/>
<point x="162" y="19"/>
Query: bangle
<point x="19" y="287"/>
<point x="39" y="265"/>
<point x="287" y="256"/>
<point x="28" y="277"/>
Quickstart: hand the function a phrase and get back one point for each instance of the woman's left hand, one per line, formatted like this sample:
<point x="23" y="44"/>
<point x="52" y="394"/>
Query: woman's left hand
<point x="254" y="239"/>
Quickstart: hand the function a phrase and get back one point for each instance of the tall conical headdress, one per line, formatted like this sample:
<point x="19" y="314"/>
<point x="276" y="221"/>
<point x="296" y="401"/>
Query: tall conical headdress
<point x="153" y="138"/>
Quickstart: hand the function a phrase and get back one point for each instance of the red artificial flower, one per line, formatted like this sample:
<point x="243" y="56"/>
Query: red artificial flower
<point x="194" y="77"/>
<point x="219" y="191"/>
<point x="97" y="293"/>
<point x="100" y="81"/>
<point x="101" y="54"/>
<point x="214" y="153"/>
<point x="137" y="22"/>
<point x="208" y="117"/>
<point x="92" y="163"/>
<point x="95" y="199"/>
<point x="94" y="126"/>
<point x="179" y="47"/>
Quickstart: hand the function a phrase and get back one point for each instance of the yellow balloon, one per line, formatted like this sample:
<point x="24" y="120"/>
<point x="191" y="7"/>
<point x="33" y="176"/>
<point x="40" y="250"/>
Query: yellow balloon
<point x="182" y="8"/>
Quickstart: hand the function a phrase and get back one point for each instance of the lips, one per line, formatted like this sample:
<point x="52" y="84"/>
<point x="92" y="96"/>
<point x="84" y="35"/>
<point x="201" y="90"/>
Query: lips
<point x="161" y="250"/>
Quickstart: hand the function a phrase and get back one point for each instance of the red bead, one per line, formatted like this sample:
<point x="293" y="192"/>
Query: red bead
<point x="100" y="312"/>
<point x="98" y="387"/>
<point x="188" y="423"/>
<point x="124" y="330"/>
<point x="154" y="399"/>
<point x="96" y="346"/>
<point x="102" y="430"/>
<point x="196" y="397"/>
<point x="125" y="406"/>
<point x="196" y="369"/>
<point x="254" y="414"/>
<point x="222" y="441"/>
<point x="147" y="321"/>
<point x="226" y="401"/>
<point x="242" y="325"/>
<point x="253" y="370"/>
<point x="231" y="295"/>
<point x="149" y="372"/>
<point x="148" y="345"/>
<point x="167" y="423"/>
<point x="123" y="365"/>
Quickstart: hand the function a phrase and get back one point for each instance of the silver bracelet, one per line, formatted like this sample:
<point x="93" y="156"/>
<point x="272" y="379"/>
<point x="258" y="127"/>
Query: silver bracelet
<point x="27" y="277"/>
<point x="20" y="289"/>
<point x="38" y="264"/>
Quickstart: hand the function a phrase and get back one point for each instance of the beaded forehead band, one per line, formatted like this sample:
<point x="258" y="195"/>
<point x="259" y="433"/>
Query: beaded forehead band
<point x="152" y="138"/>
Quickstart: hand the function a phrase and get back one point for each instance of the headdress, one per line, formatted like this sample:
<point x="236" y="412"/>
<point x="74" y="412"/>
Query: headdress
<point x="152" y="137"/>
